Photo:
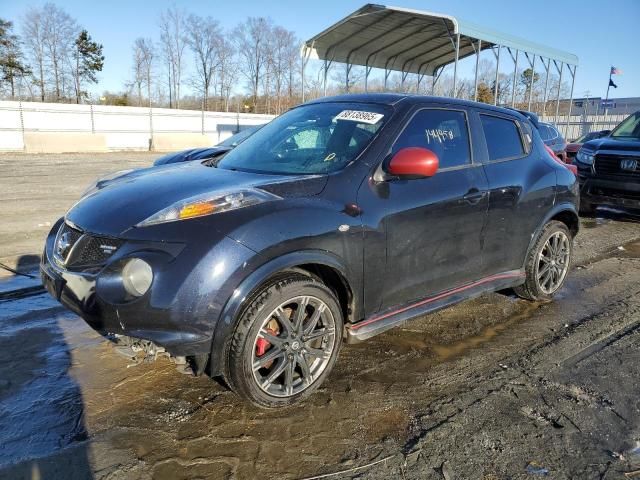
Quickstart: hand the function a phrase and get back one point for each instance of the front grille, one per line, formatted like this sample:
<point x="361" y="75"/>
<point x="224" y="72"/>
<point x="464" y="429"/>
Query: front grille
<point x="611" y="165"/>
<point x="95" y="251"/>
<point x="75" y="249"/>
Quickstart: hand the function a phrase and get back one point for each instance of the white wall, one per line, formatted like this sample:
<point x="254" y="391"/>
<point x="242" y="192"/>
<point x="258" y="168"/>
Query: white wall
<point x="123" y="128"/>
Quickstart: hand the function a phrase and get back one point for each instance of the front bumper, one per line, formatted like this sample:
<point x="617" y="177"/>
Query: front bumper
<point x="179" y="312"/>
<point x="618" y="193"/>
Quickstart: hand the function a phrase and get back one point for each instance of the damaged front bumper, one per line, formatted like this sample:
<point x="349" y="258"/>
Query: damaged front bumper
<point x="178" y="313"/>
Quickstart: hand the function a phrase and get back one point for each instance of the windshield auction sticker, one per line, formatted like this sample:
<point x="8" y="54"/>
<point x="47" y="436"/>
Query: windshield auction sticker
<point x="360" y="116"/>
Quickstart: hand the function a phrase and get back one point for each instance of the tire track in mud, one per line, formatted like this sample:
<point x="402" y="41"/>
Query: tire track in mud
<point x="603" y="327"/>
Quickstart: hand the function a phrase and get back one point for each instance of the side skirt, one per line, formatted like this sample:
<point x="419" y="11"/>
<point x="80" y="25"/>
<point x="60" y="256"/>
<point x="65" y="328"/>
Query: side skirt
<point x="383" y="321"/>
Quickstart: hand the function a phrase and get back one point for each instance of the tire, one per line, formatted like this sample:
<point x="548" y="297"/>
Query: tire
<point x="546" y="266"/>
<point x="271" y="335"/>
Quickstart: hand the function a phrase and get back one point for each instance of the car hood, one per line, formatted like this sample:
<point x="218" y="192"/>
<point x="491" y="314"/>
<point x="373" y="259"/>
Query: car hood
<point x="192" y="154"/>
<point x="612" y="143"/>
<point x="121" y="203"/>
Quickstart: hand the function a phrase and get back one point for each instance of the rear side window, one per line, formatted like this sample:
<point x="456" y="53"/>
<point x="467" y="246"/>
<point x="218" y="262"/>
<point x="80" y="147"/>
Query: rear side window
<point x="442" y="131"/>
<point x="503" y="138"/>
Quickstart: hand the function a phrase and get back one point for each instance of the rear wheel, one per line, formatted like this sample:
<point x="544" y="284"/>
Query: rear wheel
<point x="547" y="263"/>
<point x="286" y="341"/>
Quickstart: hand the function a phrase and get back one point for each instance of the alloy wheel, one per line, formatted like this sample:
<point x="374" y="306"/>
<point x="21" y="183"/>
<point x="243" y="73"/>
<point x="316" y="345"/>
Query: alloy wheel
<point x="553" y="262"/>
<point x="293" y="346"/>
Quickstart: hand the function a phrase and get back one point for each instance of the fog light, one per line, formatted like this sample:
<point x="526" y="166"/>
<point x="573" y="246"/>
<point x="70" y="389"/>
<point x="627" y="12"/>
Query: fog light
<point x="137" y="277"/>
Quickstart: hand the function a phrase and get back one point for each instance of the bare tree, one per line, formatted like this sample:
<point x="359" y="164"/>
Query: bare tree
<point x="33" y="33"/>
<point x="138" y="68"/>
<point x="143" y="61"/>
<point x="282" y="68"/>
<point x="204" y="38"/>
<point x="173" y="39"/>
<point x="60" y="31"/>
<point x="251" y="41"/>
<point x="227" y="70"/>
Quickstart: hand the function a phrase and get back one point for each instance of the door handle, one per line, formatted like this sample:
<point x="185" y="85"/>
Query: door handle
<point x="474" y="196"/>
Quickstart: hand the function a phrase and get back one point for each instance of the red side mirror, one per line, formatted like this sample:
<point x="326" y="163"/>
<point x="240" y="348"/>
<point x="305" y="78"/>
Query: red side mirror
<point x="414" y="162"/>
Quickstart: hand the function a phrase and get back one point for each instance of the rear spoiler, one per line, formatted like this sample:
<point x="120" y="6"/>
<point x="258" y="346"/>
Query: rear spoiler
<point x="533" y="118"/>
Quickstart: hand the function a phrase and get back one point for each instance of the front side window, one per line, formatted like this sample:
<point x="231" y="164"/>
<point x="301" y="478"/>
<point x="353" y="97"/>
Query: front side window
<point x="629" y="128"/>
<point x="311" y="139"/>
<point x="503" y="138"/>
<point x="444" y="132"/>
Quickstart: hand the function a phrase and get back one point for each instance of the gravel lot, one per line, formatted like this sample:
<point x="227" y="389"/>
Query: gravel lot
<point x="36" y="190"/>
<point x="494" y="388"/>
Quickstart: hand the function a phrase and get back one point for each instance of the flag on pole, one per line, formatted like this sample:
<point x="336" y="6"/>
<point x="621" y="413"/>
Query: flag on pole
<point x="615" y="71"/>
<point x="611" y="84"/>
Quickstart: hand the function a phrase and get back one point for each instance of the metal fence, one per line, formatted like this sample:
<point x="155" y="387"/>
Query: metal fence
<point x="578" y="125"/>
<point x="125" y="128"/>
<point x="133" y="128"/>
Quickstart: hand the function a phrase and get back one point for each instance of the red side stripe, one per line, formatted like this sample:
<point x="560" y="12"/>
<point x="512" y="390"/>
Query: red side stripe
<point x="440" y="296"/>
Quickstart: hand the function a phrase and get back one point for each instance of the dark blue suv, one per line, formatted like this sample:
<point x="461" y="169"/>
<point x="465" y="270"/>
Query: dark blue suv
<point x="340" y="219"/>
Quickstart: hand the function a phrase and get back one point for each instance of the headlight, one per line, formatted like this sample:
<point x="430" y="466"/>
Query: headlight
<point x="585" y="157"/>
<point x="137" y="277"/>
<point x="208" y="204"/>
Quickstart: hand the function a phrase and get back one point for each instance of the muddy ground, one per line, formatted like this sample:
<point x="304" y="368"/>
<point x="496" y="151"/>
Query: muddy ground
<point x="495" y="388"/>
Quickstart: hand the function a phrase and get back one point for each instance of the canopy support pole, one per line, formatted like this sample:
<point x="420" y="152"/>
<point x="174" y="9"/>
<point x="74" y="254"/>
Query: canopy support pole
<point x="455" y="68"/>
<point x="547" y="67"/>
<point x="367" y="71"/>
<point x="555" y="119"/>
<point x="515" y="73"/>
<point x="495" y="85"/>
<point x="387" y="72"/>
<point x="304" y="54"/>
<point x="348" y="71"/>
<point x="403" y="79"/>
<point x="533" y="78"/>
<point x="434" y="79"/>
<point x="327" y="66"/>
<point x="475" y="81"/>
<point x="573" y="81"/>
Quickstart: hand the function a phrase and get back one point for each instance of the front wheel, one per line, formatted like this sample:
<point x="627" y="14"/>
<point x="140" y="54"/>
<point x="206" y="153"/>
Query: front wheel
<point x="286" y="341"/>
<point x="547" y="263"/>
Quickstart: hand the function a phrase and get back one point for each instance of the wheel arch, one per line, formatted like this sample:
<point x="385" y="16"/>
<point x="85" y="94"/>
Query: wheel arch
<point x="562" y="212"/>
<point x="319" y="264"/>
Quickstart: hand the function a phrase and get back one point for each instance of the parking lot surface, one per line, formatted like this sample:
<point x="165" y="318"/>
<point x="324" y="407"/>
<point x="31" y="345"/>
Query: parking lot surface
<point x="493" y="388"/>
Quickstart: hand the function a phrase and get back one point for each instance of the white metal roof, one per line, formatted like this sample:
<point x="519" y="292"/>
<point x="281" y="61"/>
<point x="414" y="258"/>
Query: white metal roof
<point x="412" y="41"/>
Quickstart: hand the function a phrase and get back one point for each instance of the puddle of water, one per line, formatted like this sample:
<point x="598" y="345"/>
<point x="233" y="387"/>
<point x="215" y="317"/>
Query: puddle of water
<point x="595" y="222"/>
<point x="445" y="352"/>
<point x="631" y="249"/>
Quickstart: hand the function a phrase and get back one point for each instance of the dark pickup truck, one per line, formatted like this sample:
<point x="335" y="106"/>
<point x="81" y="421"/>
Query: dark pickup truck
<point x="609" y="169"/>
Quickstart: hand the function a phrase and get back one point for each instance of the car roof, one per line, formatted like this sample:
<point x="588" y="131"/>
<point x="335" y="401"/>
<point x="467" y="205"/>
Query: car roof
<point x="396" y="98"/>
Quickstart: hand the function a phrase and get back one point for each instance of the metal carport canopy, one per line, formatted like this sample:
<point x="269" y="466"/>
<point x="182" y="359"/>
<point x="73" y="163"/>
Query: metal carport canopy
<point x="413" y="41"/>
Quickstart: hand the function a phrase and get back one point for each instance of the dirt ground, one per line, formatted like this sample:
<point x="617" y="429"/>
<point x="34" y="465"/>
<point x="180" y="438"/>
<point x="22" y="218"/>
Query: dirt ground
<point x="36" y="190"/>
<point x="494" y="388"/>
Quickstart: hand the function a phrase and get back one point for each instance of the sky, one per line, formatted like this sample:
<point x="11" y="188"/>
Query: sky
<point x="601" y="34"/>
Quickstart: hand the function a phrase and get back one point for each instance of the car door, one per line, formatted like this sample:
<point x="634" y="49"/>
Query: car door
<point x="433" y="226"/>
<point x="521" y="188"/>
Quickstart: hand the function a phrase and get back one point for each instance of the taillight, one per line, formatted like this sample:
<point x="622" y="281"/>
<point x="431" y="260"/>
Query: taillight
<point x="572" y="168"/>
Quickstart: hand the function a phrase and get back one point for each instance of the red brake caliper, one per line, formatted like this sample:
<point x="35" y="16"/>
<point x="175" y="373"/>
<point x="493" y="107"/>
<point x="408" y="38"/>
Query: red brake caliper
<point x="262" y="345"/>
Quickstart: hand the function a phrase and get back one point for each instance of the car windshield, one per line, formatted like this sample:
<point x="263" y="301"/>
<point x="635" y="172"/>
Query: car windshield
<point x="629" y="128"/>
<point x="311" y="139"/>
<point x="238" y="138"/>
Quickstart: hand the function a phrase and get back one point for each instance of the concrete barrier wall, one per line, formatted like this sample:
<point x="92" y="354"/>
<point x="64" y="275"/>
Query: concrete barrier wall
<point x="55" y="128"/>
